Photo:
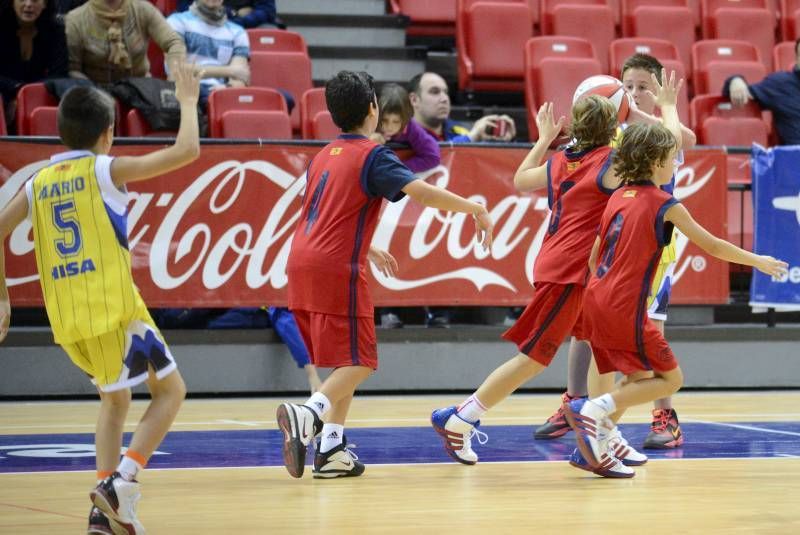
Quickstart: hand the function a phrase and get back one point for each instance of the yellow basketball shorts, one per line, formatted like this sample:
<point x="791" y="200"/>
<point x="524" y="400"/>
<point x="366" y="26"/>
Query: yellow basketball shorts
<point x="120" y="358"/>
<point x="660" y="290"/>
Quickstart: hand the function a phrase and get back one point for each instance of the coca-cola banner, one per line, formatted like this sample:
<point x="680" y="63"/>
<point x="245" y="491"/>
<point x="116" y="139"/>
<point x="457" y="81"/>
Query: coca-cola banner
<point x="217" y="233"/>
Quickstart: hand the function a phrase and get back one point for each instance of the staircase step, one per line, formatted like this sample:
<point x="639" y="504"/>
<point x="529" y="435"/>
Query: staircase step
<point x="367" y="31"/>
<point x="384" y="64"/>
<point x="317" y="7"/>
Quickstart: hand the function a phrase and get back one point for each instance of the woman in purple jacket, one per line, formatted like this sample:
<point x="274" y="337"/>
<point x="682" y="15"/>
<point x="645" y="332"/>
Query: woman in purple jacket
<point x="396" y="125"/>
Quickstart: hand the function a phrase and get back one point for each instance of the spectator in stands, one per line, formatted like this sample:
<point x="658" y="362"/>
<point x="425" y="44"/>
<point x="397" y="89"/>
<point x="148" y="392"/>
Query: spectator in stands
<point x="214" y="44"/>
<point x="431" y="102"/>
<point x="396" y="124"/>
<point x="108" y="39"/>
<point x="247" y="13"/>
<point x="34" y="48"/>
<point x="779" y="93"/>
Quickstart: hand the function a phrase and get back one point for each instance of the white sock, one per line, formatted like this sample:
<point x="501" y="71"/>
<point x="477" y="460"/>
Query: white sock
<point x="472" y="409"/>
<point x="128" y="468"/>
<point x="318" y="403"/>
<point x="332" y="435"/>
<point x="606" y="402"/>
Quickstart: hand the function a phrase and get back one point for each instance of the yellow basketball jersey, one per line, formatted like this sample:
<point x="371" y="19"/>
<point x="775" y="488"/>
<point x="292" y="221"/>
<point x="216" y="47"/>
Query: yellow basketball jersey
<point x="81" y="248"/>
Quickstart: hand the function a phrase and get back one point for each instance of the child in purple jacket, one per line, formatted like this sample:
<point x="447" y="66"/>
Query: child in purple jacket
<point x="396" y="125"/>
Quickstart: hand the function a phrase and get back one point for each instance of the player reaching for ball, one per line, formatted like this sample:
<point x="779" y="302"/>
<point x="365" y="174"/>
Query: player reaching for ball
<point x="635" y="226"/>
<point x="665" y="430"/>
<point x="579" y="181"/>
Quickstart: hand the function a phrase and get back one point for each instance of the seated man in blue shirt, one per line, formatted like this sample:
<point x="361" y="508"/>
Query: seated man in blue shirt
<point x="779" y="93"/>
<point x="246" y="13"/>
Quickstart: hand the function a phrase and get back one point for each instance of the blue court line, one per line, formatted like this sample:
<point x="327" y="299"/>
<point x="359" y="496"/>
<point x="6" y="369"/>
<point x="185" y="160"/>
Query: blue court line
<point x="393" y="445"/>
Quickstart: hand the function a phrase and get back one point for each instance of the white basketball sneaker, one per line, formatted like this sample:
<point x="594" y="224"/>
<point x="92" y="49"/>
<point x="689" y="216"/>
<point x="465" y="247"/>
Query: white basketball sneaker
<point x="337" y="462"/>
<point x="619" y="448"/>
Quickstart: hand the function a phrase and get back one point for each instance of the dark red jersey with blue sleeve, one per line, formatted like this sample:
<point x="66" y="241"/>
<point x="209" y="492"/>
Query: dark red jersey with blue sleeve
<point x="632" y="235"/>
<point x="346" y="184"/>
<point x="577" y="199"/>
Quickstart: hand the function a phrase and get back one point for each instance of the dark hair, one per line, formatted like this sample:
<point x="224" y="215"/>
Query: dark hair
<point x="642" y="147"/>
<point x="413" y="84"/>
<point x="394" y="99"/>
<point x="349" y="95"/>
<point x="645" y="62"/>
<point x="797" y="46"/>
<point x="84" y="113"/>
<point x="45" y="22"/>
<point x="594" y="122"/>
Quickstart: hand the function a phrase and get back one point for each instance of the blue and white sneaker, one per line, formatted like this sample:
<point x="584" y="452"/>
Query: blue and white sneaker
<point x="592" y="426"/>
<point x="457" y="434"/>
<point x="613" y="467"/>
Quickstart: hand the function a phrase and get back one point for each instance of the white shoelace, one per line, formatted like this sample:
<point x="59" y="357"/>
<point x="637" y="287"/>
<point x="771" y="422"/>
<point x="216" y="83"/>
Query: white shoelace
<point x="482" y="437"/>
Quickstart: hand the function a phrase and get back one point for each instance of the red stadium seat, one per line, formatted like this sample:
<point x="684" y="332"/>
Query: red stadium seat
<point x="538" y="48"/>
<point x="668" y="23"/>
<point x="316" y="120"/>
<point x="790" y="19"/>
<point x="784" y="56"/>
<point x="30" y="97"/>
<point x="718" y="50"/>
<point x="245" y="99"/>
<point x="719" y="71"/>
<point x="44" y="121"/>
<point x="738" y="131"/>
<point x="592" y="22"/>
<point x="740" y="220"/>
<point x="629" y="7"/>
<point x="706" y="107"/>
<point x="269" y="40"/>
<point x="554" y="80"/>
<point x="428" y="17"/>
<point x="548" y="8"/>
<point x="137" y="126"/>
<point x="256" y="124"/>
<point x="290" y="71"/>
<point x="490" y="38"/>
<point x="323" y="127"/>
<point x="622" y="49"/>
<point x="726" y="19"/>
<point x="167" y="7"/>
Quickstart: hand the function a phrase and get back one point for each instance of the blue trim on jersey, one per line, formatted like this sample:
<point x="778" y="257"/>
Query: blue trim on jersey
<point x="642" y="308"/>
<point x="365" y="169"/>
<point x="555" y="216"/>
<point x="527" y="348"/>
<point x="603" y="170"/>
<point x="354" y="269"/>
<point x="549" y="185"/>
<point x="661" y="237"/>
<point x="351" y="136"/>
<point x="313" y="209"/>
<point x="611" y="238"/>
<point x="119" y="222"/>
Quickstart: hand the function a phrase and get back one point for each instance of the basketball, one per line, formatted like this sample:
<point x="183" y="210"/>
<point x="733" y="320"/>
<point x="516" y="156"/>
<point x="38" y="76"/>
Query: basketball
<point x="609" y="87"/>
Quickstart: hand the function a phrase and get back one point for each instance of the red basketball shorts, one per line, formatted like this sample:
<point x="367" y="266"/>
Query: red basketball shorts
<point x="335" y="341"/>
<point x="549" y="318"/>
<point x="654" y="354"/>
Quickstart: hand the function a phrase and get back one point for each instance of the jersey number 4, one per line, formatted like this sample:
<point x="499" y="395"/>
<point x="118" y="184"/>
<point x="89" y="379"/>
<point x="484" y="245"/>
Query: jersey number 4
<point x="64" y="218"/>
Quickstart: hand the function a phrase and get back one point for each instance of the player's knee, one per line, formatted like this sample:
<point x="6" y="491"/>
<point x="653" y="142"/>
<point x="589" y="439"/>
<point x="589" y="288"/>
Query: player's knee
<point x="119" y="400"/>
<point x="675" y="379"/>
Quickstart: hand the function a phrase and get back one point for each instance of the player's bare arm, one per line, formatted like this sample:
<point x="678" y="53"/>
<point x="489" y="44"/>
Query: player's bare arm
<point x="186" y="149"/>
<point x="532" y="174"/>
<point x="683" y="220"/>
<point x="688" y="138"/>
<point x="11" y="216"/>
<point x="428" y="195"/>
<point x="667" y="100"/>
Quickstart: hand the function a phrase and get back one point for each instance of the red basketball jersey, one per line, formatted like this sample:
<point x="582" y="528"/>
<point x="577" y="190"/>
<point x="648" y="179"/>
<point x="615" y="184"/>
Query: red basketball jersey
<point x="327" y="261"/>
<point x="632" y="235"/>
<point x="577" y="198"/>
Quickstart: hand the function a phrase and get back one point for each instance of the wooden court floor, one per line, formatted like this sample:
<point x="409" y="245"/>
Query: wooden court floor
<point x="752" y="486"/>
